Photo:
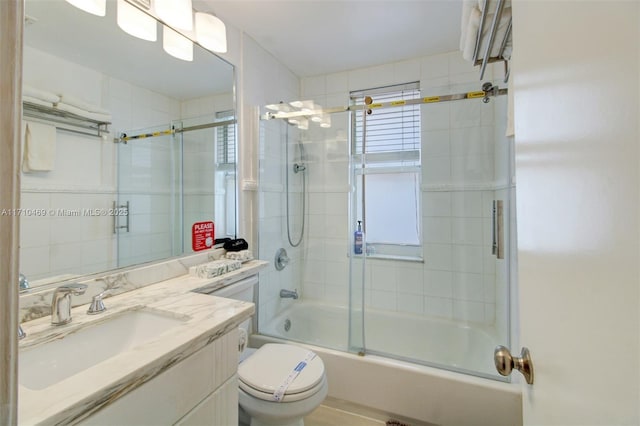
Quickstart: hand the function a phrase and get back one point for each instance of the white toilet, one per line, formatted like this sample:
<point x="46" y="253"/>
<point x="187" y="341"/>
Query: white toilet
<point x="279" y="384"/>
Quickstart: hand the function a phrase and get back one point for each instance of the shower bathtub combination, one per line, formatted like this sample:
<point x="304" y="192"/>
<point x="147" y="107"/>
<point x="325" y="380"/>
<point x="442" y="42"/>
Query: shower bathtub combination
<point x="404" y="328"/>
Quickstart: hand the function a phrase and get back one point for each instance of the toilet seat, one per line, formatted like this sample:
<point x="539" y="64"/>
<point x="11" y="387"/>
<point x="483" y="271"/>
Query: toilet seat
<point x="267" y="369"/>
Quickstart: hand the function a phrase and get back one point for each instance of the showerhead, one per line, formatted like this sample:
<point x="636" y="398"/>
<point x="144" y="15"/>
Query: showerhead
<point x="299" y="168"/>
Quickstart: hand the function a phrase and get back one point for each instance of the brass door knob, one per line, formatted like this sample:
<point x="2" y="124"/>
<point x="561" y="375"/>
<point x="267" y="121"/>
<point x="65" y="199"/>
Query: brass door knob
<point x="505" y="362"/>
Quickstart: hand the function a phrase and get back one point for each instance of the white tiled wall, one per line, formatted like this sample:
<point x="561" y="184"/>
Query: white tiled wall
<point x="264" y="81"/>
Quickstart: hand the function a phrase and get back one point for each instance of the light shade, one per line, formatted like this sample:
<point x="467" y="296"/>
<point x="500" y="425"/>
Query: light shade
<point x="211" y="32"/>
<point x="176" y="45"/>
<point x="135" y="22"/>
<point x="326" y="121"/>
<point x="306" y="106"/>
<point x="177" y="13"/>
<point x="303" y="123"/>
<point x="95" y="7"/>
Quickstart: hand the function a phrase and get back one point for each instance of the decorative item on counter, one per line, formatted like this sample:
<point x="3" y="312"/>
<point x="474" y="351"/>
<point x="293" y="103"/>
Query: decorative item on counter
<point x="219" y="242"/>
<point x="242" y="255"/>
<point x="215" y="268"/>
<point x="236" y="245"/>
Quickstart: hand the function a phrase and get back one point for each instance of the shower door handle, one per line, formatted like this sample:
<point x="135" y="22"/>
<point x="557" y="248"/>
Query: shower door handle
<point x="497" y="229"/>
<point x="115" y="212"/>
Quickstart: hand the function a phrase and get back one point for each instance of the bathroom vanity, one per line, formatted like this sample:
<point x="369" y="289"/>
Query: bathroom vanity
<point x="159" y="354"/>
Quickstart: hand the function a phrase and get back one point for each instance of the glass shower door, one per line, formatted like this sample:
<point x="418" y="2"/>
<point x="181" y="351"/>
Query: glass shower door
<point x="150" y="192"/>
<point x="448" y="306"/>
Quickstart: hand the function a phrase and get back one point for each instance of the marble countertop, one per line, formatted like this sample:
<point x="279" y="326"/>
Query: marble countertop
<point x="205" y="318"/>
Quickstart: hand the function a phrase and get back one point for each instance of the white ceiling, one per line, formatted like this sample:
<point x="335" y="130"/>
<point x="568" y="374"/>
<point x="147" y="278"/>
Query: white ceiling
<point x="313" y="37"/>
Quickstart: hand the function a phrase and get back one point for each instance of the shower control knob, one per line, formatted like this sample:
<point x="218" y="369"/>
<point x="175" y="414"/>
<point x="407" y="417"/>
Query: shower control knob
<point x="505" y="362"/>
<point x="281" y="259"/>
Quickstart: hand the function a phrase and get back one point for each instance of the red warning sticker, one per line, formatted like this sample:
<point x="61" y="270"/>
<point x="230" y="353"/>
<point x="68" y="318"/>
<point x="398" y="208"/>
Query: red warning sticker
<point x="202" y="236"/>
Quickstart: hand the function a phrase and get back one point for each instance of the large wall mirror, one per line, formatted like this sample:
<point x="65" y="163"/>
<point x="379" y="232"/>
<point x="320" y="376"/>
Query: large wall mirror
<point x="125" y="146"/>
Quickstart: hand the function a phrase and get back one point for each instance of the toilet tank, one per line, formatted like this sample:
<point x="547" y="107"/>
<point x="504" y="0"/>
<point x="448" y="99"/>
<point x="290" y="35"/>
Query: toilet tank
<point x="239" y="290"/>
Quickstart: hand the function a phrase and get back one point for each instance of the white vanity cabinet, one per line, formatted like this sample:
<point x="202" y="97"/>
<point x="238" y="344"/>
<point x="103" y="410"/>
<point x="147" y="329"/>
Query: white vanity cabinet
<point x="199" y="390"/>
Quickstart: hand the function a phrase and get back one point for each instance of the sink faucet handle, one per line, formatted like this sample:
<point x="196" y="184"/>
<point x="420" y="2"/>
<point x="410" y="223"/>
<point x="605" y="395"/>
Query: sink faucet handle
<point x="21" y="333"/>
<point x="23" y="282"/>
<point x="97" y="305"/>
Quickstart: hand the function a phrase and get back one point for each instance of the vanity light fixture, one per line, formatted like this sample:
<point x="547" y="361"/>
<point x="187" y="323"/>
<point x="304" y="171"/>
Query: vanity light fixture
<point x="177" y="13"/>
<point x="304" y="106"/>
<point x="135" y="22"/>
<point x="211" y="32"/>
<point x="95" y="7"/>
<point x="176" y="45"/>
<point x="280" y="107"/>
<point x="325" y="123"/>
<point x="303" y="123"/>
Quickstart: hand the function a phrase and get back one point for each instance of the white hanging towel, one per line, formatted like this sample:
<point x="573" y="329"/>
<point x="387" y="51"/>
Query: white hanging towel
<point x="39" y="147"/>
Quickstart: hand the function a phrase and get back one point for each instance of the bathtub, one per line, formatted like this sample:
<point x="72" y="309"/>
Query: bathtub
<point x="421" y="392"/>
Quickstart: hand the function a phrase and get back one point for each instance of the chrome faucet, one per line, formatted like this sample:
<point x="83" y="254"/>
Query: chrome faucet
<point x="23" y="283"/>
<point x="61" y="302"/>
<point x="289" y="294"/>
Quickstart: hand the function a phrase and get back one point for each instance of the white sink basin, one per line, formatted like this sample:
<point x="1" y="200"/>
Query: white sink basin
<point x="51" y="362"/>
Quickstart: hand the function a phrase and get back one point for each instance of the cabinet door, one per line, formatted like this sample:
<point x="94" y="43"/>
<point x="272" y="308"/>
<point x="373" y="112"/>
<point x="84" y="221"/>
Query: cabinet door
<point x="219" y="408"/>
<point x="166" y="398"/>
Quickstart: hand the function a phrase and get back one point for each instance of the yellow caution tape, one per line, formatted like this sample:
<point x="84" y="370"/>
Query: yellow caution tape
<point x="398" y="103"/>
<point x="376" y="105"/>
<point x="431" y="99"/>
<point x="472" y="95"/>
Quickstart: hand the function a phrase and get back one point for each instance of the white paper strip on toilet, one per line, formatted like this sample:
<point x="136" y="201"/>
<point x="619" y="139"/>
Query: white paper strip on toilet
<point x="282" y="389"/>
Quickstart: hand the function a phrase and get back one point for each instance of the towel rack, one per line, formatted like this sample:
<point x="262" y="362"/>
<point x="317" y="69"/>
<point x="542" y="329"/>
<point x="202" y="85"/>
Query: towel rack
<point x="65" y="120"/>
<point x="486" y="58"/>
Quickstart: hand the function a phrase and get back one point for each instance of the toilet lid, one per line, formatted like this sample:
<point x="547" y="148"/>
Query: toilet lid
<point x="271" y="365"/>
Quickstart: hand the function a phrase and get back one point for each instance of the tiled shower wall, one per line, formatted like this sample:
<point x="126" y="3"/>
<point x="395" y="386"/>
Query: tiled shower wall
<point x="463" y="143"/>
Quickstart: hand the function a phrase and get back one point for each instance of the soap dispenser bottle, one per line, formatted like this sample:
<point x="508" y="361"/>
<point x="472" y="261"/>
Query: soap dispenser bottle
<point x="357" y="239"/>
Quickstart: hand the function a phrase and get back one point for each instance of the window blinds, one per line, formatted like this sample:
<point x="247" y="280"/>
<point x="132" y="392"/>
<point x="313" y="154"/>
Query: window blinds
<point x="394" y="132"/>
<point x="225" y="140"/>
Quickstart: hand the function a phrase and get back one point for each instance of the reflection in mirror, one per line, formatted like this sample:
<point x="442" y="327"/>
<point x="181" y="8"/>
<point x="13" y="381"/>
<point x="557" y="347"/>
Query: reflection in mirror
<point x="92" y="200"/>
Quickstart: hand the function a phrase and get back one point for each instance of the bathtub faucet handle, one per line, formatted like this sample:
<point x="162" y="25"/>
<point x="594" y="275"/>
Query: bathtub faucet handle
<point x="289" y="294"/>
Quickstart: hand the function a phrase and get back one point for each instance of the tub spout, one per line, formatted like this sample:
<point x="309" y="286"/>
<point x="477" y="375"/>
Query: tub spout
<point x="288" y="294"/>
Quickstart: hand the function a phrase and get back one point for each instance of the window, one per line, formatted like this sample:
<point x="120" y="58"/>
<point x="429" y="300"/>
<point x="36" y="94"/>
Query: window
<point x="388" y="173"/>
<point x="225" y="141"/>
<point x="226" y="172"/>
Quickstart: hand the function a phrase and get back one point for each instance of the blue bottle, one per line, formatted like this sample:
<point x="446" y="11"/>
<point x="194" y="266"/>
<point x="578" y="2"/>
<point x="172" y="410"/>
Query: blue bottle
<point x="357" y="239"/>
